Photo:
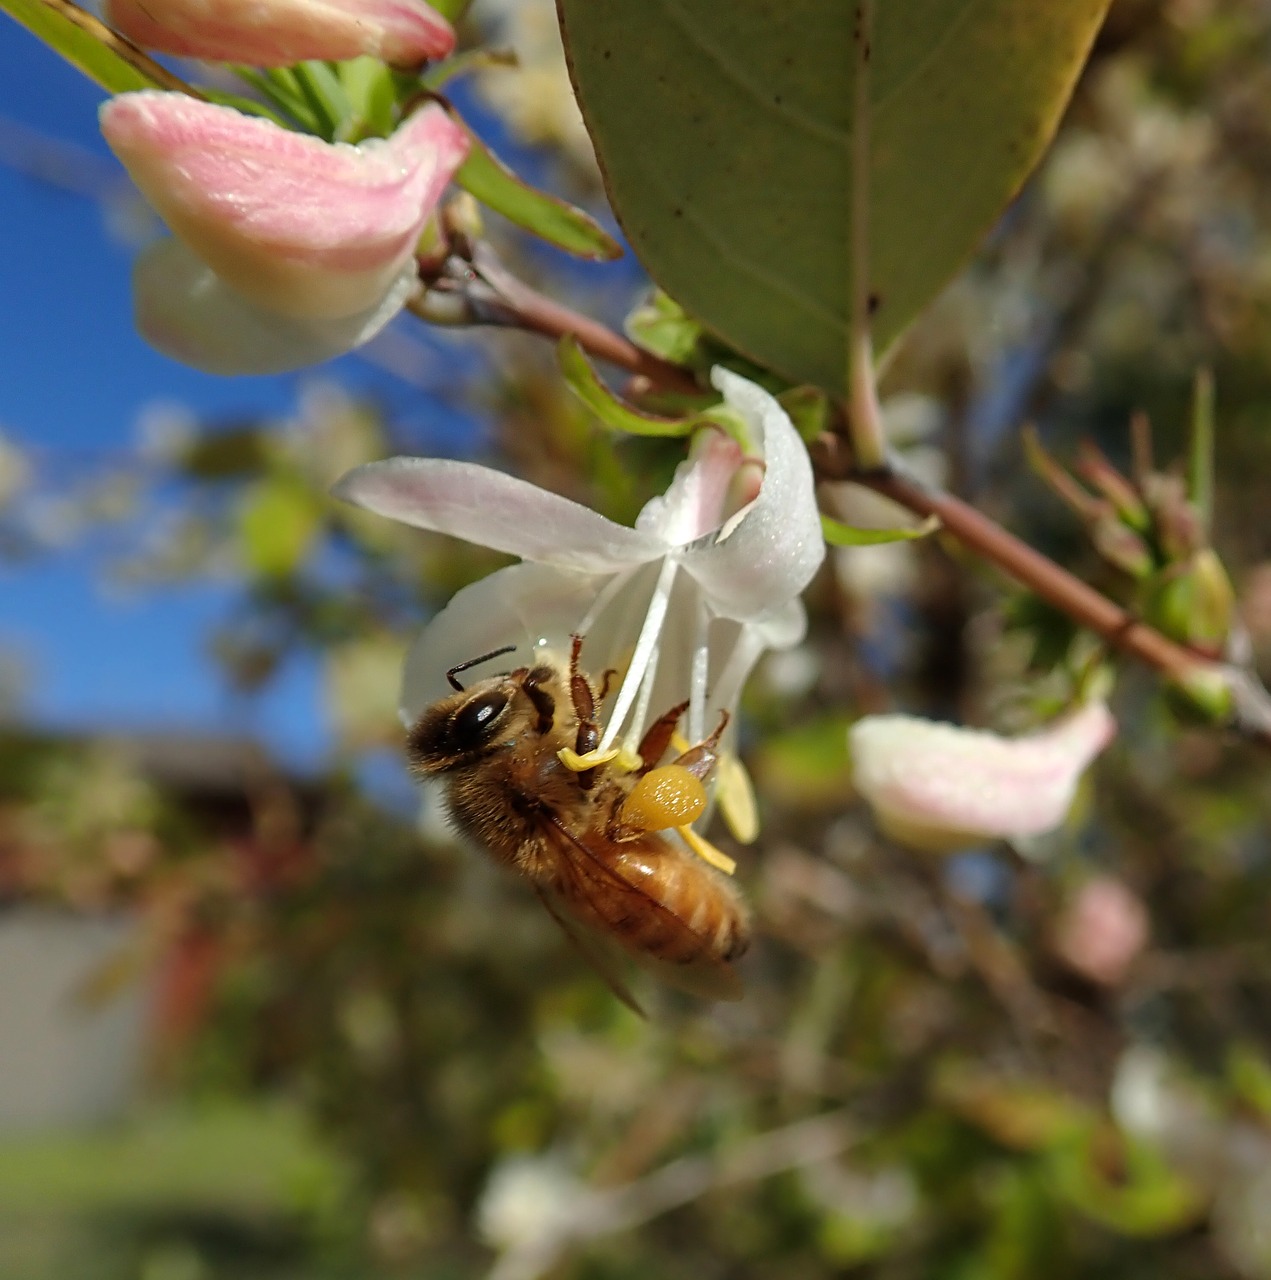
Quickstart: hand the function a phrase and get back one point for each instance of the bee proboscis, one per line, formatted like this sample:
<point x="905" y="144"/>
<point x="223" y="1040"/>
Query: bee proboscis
<point x="588" y="837"/>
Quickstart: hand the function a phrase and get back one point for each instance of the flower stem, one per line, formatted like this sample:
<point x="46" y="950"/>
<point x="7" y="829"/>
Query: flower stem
<point x="528" y="309"/>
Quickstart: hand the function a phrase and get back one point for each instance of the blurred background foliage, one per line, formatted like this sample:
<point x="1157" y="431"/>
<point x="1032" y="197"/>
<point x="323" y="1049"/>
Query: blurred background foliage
<point x="371" y="1055"/>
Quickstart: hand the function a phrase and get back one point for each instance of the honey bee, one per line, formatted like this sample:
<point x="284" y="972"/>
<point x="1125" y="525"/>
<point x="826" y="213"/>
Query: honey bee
<point x="518" y="754"/>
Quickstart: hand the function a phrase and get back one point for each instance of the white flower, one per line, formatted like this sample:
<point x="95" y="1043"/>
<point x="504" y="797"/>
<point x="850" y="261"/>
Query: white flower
<point x="681" y="605"/>
<point x="528" y="1199"/>
<point x="937" y="787"/>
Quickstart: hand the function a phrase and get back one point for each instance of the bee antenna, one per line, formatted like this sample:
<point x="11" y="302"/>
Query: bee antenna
<point x="474" y="662"/>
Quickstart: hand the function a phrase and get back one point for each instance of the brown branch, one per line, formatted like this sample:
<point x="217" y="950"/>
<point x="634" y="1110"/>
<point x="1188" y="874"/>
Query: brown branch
<point x="494" y="295"/>
<point x="526" y="308"/>
<point x="1250" y="701"/>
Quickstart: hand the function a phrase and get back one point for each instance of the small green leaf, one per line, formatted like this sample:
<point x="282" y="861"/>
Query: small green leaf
<point x="372" y="95"/>
<point x="278" y="522"/>
<point x="614" y="413"/>
<point x="486" y="177"/>
<point x="451" y="10"/>
<point x="326" y="97"/>
<point x="279" y="87"/>
<point x="1124" y="1184"/>
<point x="90" y="45"/>
<point x="838" y="534"/>
<point x="809" y="410"/>
<point x="660" y="325"/>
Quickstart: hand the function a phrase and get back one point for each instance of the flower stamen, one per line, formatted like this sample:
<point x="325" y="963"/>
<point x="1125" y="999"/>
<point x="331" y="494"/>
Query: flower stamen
<point x="707" y="851"/>
<point x="576" y="763"/>
<point x="645" y="651"/>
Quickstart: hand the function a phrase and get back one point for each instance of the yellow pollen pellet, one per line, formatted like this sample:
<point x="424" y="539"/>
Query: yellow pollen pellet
<point x="666" y="797"/>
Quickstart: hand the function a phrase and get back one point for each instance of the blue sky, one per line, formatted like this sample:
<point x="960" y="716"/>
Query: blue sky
<point x="73" y="379"/>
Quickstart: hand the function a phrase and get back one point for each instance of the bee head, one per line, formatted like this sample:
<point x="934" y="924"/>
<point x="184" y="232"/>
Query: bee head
<point x="461" y="728"/>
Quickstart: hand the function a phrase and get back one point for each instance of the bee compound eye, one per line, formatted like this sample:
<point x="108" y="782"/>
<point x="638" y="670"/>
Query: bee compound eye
<point x="474" y="720"/>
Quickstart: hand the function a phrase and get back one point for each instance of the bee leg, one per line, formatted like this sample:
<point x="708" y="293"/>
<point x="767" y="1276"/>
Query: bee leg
<point x="584" y="699"/>
<point x="700" y="760"/>
<point x="655" y="742"/>
<point x="543" y="701"/>
<point x="606" y="681"/>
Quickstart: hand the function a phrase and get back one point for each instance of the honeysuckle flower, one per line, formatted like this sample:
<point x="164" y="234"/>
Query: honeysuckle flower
<point x="277" y="33"/>
<point x="938" y="787"/>
<point x="288" y="249"/>
<point x="681" y="605"/>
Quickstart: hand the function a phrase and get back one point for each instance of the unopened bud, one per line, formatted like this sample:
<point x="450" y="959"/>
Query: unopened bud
<point x="1179" y="527"/>
<point x="278" y="33"/>
<point x="1194" y="602"/>
<point x="1121" y="546"/>
<point x="1097" y="470"/>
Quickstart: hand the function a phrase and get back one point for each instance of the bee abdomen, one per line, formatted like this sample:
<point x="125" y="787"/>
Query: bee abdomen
<point x="705" y="919"/>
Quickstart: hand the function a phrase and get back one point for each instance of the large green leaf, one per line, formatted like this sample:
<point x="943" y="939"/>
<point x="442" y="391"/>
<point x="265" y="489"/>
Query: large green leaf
<point x="725" y="134"/>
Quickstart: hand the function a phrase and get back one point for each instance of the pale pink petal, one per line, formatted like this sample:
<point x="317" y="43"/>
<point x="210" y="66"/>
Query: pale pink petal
<point x="277" y="33"/>
<point x="938" y="787"/>
<point x="495" y="510"/>
<point x="296" y="225"/>
<point x="770" y="551"/>
<point x="184" y="309"/>
<point x="693" y="505"/>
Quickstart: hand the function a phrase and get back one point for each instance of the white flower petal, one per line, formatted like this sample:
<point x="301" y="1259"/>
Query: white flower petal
<point x="184" y="309"/>
<point x="693" y="505"/>
<point x="532" y="606"/>
<point x="495" y="510"/>
<point x="772" y="552"/>
<point x="938" y="787"/>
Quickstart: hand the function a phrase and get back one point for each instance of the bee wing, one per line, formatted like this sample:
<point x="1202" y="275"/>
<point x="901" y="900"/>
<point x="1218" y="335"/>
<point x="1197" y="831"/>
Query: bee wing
<point x="706" y="979"/>
<point x="591" y="946"/>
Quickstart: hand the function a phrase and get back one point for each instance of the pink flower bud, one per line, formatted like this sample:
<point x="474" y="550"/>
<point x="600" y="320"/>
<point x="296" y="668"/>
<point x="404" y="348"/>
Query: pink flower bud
<point x="277" y="33"/>
<point x="937" y="787"/>
<point x="293" y="224"/>
<point x="1102" y="930"/>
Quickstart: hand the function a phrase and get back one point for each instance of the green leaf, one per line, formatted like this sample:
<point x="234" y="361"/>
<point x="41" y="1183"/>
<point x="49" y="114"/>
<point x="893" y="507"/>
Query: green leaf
<point x="279" y="86"/>
<point x="278" y="522"/>
<point x="614" y="413"/>
<point x="89" y="45"/>
<point x="838" y="534"/>
<point x="809" y="410"/>
<point x="326" y="97"/>
<point x="486" y="177"/>
<point x="659" y="324"/>
<point x="1124" y="1184"/>
<point x="372" y="95"/>
<point x="725" y="135"/>
<point x="451" y="10"/>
